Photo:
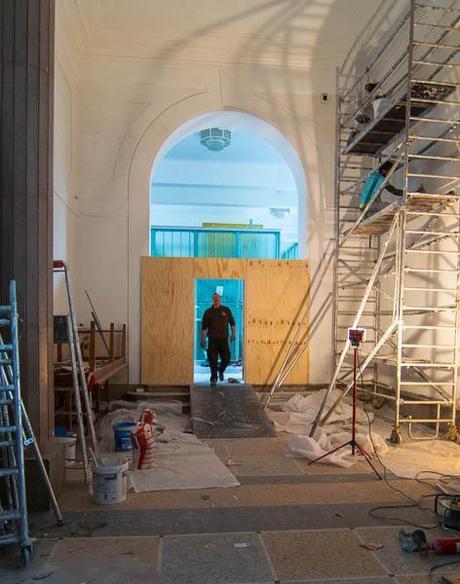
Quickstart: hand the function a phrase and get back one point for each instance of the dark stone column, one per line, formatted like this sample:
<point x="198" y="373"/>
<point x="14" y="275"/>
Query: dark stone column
<point x="26" y="204"/>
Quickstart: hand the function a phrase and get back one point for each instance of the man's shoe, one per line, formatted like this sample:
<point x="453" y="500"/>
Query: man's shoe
<point x="221" y="375"/>
<point x="213" y="381"/>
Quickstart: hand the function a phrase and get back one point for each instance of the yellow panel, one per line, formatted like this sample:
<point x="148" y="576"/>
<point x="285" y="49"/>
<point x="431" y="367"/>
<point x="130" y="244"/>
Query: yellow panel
<point x="274" y="295"/>
<point x="276" y="300"/>
<point x="167" y="322"/>
<point x="232" y="226"/>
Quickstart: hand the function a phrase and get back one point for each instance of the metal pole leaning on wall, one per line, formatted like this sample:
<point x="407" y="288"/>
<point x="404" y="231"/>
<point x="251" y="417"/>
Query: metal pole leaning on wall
<point x="77" y="397"/>
<point x="320" y="273"/>
<point x="61" y="266"/>
<point x="361" y="308"/>
<point x="88" y="407"/>
<point x="295" y="357"/>
<point x="314" y="325"/>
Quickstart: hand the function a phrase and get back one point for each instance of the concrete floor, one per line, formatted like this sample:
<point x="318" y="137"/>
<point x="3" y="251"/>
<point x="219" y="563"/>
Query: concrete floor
<point x="286" y="522"/>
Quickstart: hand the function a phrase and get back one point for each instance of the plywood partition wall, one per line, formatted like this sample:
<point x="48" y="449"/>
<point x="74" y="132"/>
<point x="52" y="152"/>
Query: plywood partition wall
<point x="275" y="296"/>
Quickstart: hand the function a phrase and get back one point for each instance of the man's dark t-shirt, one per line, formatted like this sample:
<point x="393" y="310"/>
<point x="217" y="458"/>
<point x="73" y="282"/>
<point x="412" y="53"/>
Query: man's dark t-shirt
<point x="216" y="321"/>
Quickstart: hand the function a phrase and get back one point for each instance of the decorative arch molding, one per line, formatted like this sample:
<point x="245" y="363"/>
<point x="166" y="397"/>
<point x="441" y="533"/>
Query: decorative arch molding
<point x="149" y="139"/>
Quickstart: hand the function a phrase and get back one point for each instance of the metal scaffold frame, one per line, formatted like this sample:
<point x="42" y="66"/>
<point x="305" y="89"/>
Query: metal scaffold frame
<point x="396" y="265"/>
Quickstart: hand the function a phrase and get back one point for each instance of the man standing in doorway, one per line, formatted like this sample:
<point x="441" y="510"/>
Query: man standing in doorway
<point x="216" y="321"/>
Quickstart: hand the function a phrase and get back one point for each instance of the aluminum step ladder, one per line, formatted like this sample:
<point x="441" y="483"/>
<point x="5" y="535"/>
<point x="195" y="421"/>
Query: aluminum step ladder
<point x="80" y="393"/>
<point x="16" y="434"/>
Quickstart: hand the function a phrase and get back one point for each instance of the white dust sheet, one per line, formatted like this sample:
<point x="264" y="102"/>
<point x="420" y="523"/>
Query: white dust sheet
<point x="409" y="460"/>
<point x="182" y="461"/>
<point x="183" y="464"/>
<point x="415" y="459"/>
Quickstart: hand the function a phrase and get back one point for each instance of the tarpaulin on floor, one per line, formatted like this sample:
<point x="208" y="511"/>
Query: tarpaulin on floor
<point x="182" y="461"/>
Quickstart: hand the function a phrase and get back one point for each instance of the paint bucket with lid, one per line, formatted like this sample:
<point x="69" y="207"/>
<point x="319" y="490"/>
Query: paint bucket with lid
<point x="122" y="436"/>
<point x="110" y="483"/>
<point x="68" y="441"/>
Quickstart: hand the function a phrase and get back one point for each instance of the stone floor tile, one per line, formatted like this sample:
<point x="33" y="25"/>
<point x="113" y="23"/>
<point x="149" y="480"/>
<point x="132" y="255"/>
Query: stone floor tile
<point x="235" y="558"/>
<point x="331" y="469"/>
<point x="394" y="559"/>
<point x="219" y="445"/>
<point x="332" y="553"/>
<point x="377" y="580"/>
<point x="105" y="560"/>
<point x="11" y="569"/>
<point x="264" y="465"/>
<point x="414" y="579"/>
<point x="145" y="548"/>
<point x="424" y="578"/>
<point x="253" y="446"/>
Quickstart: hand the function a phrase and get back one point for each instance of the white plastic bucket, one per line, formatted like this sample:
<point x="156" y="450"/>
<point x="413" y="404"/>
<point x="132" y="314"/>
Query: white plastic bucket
<point x="110" y="483"/>
<point x="69" y="443"/>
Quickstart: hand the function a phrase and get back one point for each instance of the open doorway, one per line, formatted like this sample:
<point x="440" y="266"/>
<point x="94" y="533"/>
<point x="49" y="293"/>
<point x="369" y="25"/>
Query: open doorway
<point x="232" y="296"/>
<point x="227" y="184"/>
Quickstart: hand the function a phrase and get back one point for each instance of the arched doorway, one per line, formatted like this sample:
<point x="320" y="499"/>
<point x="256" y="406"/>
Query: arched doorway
<point x="248" y="178"/>
<point x="226" y="184"/>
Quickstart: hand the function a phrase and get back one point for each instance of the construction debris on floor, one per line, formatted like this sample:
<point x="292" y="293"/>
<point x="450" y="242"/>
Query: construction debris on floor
<point x="229" y="411"/>
<point x="179" y="459"/>
<point x="412" y="459"/>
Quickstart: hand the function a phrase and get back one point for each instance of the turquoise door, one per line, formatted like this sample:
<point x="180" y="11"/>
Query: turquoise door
<point x="232" y="296"/>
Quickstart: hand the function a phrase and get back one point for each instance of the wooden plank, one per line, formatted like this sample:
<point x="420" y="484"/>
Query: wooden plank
<point x="104" y="373"/>
<point x="274" y="294"/>
<point x="167" y="322"/>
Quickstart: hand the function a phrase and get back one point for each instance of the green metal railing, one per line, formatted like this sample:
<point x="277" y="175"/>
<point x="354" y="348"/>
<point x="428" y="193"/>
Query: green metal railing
<point x="291" y="252"/>
<point x="220" y="242"/>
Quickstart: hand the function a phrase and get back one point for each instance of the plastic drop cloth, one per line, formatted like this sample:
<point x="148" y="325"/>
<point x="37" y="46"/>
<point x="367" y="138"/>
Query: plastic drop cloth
<point x="312" y="448"/>
<point x="408" y="460"/>
<point x="411" y="459"/>
<point x="298" y="416"/>
<point x="183" y="464"/>
<point x="300" y="412"/>
<point x="182" y="461"/>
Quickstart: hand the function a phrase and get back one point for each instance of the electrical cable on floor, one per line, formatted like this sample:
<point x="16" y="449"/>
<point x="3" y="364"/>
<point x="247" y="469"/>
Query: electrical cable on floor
<point x="445" y="478"/>
<point x="414" y="503"/>
<point x="440" y="566"/>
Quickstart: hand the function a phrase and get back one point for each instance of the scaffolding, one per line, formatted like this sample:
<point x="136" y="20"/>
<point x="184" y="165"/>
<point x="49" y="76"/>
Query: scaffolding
<point x="397" y="262"/>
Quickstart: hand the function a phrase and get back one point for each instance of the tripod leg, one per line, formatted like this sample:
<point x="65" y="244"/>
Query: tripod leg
<point x="330" y="452"/>
<point x="368" y="459"/>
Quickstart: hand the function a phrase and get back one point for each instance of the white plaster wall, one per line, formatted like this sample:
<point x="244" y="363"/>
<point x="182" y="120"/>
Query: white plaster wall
<point x="136" y="87"/>
<point x="118" y="143"/>
<point x="65" y="198"/>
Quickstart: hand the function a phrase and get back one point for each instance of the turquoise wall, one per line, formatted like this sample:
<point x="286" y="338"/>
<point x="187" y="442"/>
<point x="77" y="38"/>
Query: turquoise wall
<point x="232" y="297"/>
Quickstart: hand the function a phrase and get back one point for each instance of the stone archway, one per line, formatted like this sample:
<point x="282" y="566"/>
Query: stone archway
<point x="145" y="145"/>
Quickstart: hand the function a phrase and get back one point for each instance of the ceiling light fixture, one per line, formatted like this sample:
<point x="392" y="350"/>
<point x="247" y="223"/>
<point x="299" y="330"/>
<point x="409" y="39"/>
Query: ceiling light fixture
<point x="279" y="213"/>
<point x="215" y="139"/>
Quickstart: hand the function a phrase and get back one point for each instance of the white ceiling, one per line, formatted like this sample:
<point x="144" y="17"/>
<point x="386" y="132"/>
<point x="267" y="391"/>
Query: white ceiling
<point x="244" y="147"/>
<point x="293" y="32"/>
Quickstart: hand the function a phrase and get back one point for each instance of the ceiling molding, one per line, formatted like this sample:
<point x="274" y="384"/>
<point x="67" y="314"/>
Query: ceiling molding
<point x="295" y="39"/>
<point x="68" y="17"/>
<point x="208" y="56"/>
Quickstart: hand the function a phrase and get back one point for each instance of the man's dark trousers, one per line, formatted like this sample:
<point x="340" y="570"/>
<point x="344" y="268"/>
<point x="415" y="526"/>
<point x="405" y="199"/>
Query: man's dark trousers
<point x="216" y="348"/>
